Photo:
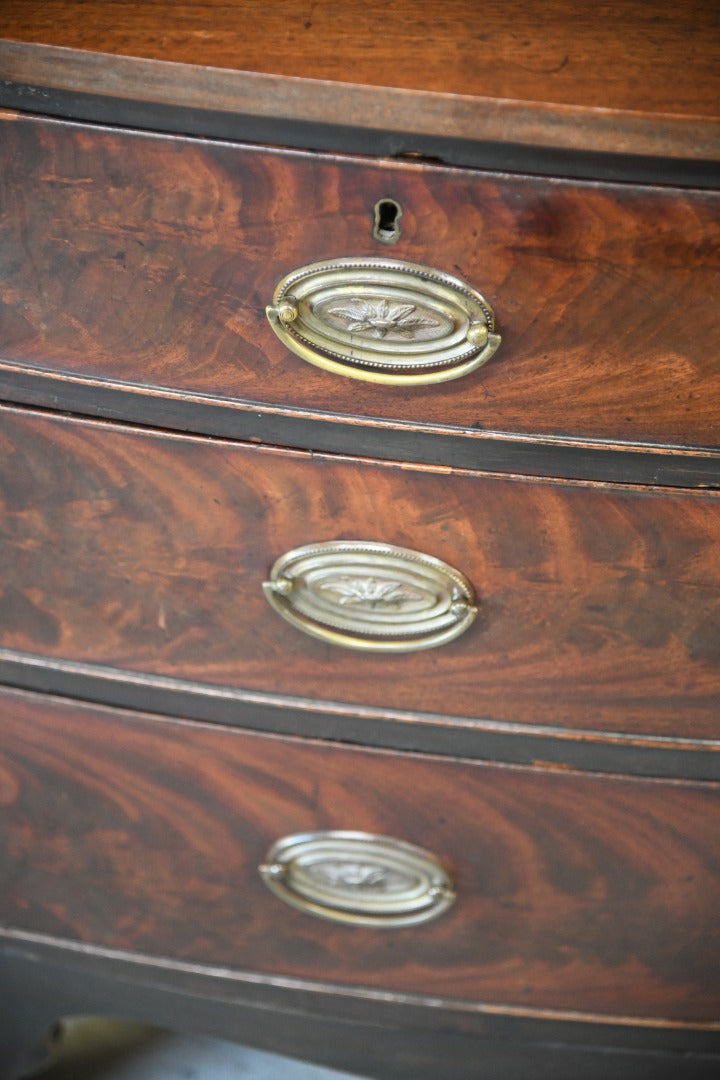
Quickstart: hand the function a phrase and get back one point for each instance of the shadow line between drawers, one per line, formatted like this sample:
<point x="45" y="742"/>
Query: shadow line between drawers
<point x="560" y="457"/>
<point x="426" y="733"/>
<point x="273" y="991"/>
<point x="498" y="133"/>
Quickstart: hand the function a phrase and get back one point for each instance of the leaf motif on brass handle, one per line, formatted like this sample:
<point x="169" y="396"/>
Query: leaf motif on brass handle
<point x="358" y="878"/>
<point x="358" y="591"/>
<point x="384" y="321"/>
<point x="371" y="596"/>
<point x="379" y="318"/>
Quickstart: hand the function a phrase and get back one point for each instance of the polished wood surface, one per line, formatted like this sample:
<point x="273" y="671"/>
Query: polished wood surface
<point x="306" y="429"/>
<point x="506" y="133"/>
<point x="655" y="58"/>
<point x="145" y="551"/>
<point x="560" y="756"/>
<point x="149" y="260"/>
<point x="576" y="893"/>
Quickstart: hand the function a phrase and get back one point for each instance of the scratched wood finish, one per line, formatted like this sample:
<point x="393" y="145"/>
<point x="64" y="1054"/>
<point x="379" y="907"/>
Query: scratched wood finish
<point x="599" y="605"/>
<point x="149" y="260"/>
<point x="576" y="893"/>
<point x="657" y="58"/>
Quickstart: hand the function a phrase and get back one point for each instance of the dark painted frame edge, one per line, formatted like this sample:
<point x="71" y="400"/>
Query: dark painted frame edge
<point x="314" y="135"/>
<point x="81" y="964"/>
<point x="650" y="758"/>
<point x="560" y="458"/>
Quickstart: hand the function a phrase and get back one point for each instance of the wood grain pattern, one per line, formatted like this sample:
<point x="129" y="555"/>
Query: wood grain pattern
<point x="150" y="260"/>
<point x="599" y="605"/>
<point x="575" y="892"/>
<point x="134" y="268"/>
<point x="316" y="114"/>
<point x="659" y="58"/>
<point x="463" y="448"/>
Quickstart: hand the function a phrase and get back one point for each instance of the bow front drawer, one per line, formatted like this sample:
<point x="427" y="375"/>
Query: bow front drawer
<point x="578" y="605"/>
<point x="573" y="892"/>
<point x="147" y="262"/>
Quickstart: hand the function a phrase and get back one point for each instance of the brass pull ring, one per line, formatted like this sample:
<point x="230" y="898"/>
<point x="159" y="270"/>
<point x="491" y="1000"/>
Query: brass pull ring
<point x="371" y="596"/>
<point x="384" y="321"/>
<point x="358" y="878"/>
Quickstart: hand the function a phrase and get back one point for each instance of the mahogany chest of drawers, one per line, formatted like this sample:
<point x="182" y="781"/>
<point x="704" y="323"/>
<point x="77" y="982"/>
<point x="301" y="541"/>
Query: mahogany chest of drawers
<point x="360" y="609"/>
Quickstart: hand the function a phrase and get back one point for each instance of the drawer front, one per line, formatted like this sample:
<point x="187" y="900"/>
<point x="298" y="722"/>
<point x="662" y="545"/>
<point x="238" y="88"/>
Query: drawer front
<point x="149" y="261"/>
<point x="575" y="892"/>
<point x="598" y="607"/>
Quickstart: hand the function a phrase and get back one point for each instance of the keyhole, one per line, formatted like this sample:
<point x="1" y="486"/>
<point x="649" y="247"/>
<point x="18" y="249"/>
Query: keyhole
<point x="387" y="221"/>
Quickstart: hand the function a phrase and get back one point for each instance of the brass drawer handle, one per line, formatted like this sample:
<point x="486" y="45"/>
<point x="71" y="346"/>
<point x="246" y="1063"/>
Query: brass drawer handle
<point x="371" y="596"/>
<point x="384" y="321"/>
<point x="358" y="878"/>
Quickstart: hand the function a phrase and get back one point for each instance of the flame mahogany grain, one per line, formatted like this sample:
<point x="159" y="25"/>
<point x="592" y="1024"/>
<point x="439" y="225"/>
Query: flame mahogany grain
<point x="149" y="260"/>
<point x="599" y="604"/>
<point x="576" y="892"/>
<point x="134" y="271"/>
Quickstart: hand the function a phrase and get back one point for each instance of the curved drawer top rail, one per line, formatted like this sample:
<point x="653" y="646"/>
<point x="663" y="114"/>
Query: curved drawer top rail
<point x="517" y="134"/>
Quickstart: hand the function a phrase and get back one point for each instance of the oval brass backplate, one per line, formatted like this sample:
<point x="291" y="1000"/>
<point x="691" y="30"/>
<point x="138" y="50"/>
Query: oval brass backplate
<point x="358" y="878"/>
<point x="372" y="596"/>
<point x="383" y="321"/>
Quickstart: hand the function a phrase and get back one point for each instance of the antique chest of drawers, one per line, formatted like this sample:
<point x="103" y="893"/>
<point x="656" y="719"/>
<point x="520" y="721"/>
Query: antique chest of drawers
<point x="360" y="480"/>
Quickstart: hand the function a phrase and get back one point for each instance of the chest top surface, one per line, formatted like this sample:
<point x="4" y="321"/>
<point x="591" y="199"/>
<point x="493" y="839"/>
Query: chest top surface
<point x="629" y="78"/>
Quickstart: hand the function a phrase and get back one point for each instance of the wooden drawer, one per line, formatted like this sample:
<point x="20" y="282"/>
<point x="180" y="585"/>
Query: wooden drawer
<point x="599" y="605"/>
<point x="575" y="892"/>
<point x="558" y="756"/>
<point x="148" y="260"/>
